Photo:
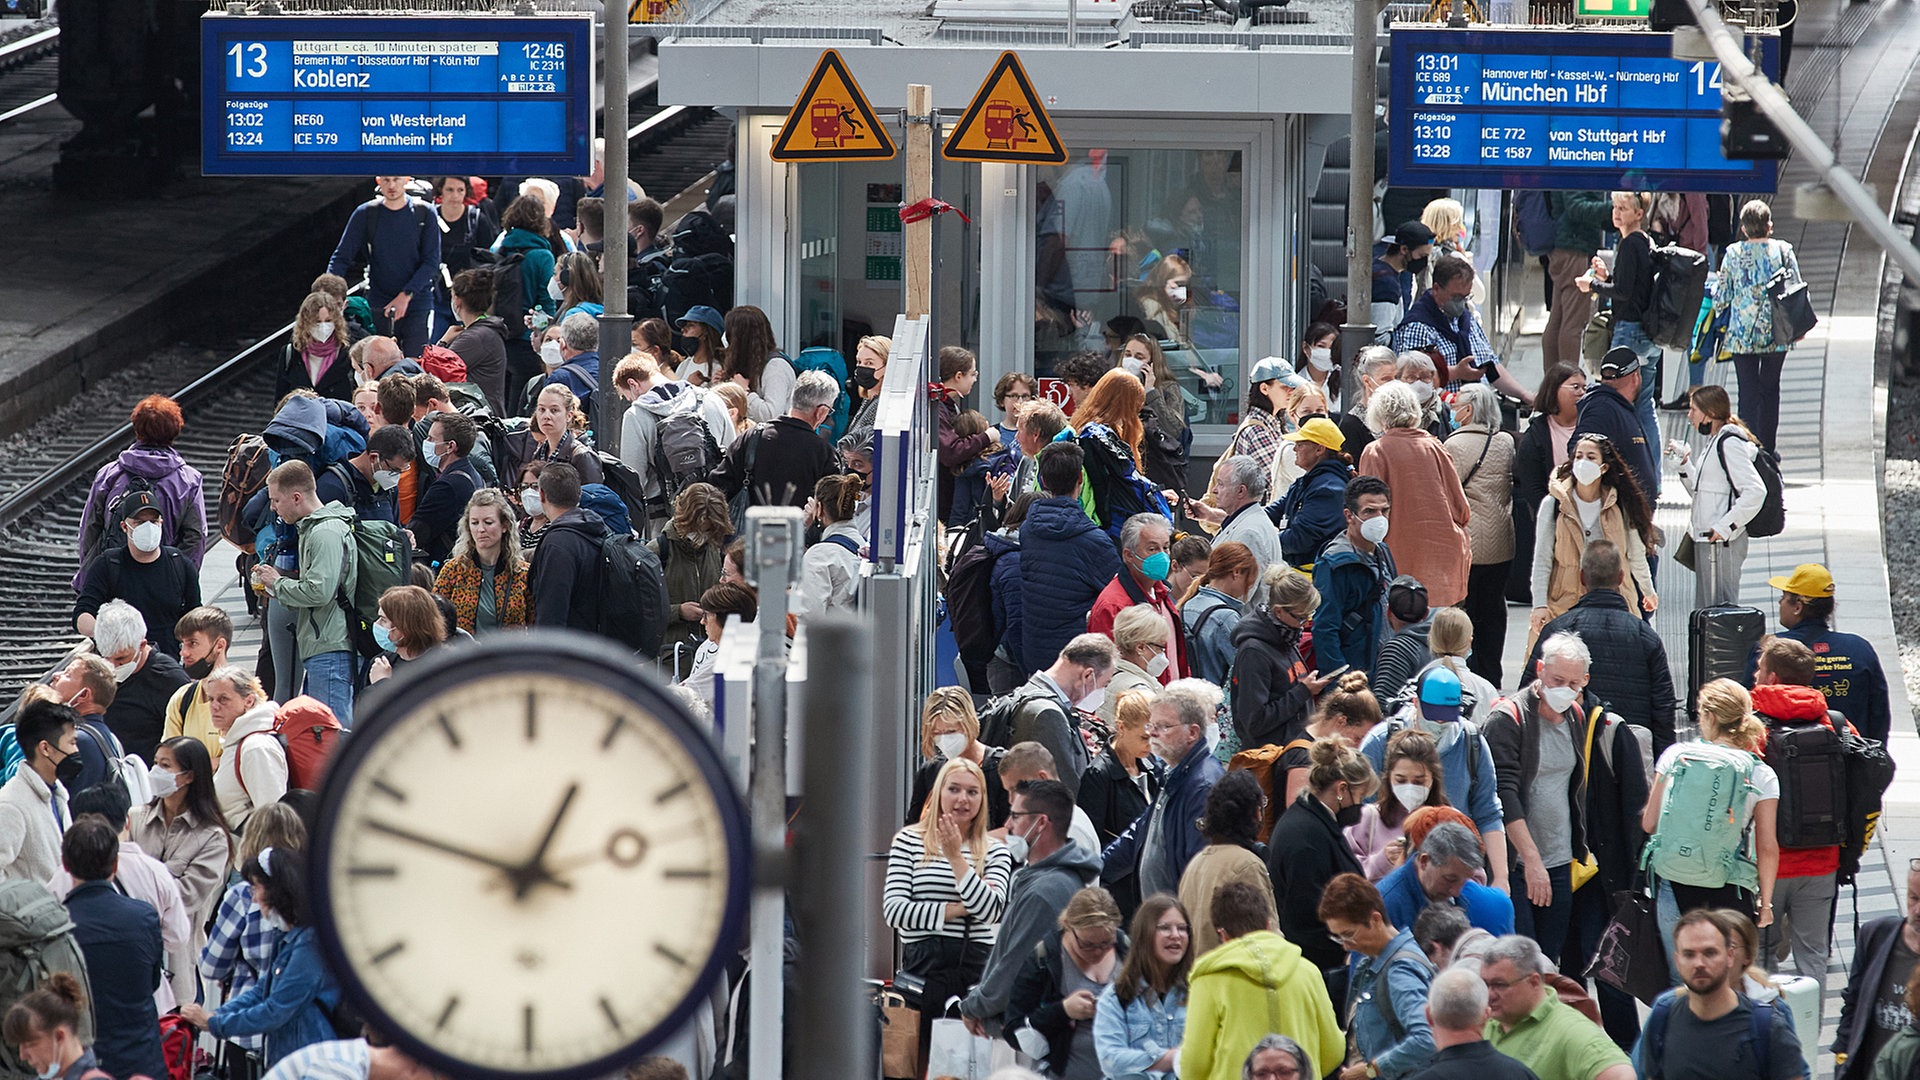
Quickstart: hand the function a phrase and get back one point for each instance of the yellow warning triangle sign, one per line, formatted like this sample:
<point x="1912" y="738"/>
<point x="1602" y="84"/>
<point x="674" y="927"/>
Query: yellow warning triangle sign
<point x="832" y="121"/>
<point x="1006" y="122"/>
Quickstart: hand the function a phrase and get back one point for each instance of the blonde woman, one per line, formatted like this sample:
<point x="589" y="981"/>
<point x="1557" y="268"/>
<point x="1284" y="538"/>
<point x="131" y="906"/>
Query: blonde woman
<point x="1448" y="220"/>
<point x="1730" y="727"/>
<point x="869" y="371"/>
<point x="1450" y="640"/>
<point x="947" y="887"/>
<point x="316" y="357"/>
<point x="1058" y="990"/>
<point x="950" y="730"/>
<point x="485" y="579"/>
<point x="1140" y="635"/>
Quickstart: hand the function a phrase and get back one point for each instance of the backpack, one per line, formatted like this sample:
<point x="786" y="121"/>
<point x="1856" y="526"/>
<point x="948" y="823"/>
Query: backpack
<point x="1679" y="287"/>
<point x="1668" y="218"/>
<point x="127" y="769"/>
<point x="699" y="233"/>
<point x="997" y="716"/>
<point x="1812" y="766"/>
<point x="1533" y="221"/>
<point x="307" y="748"/>
<point x="382" y="558"/>
<point x="970" y="604"/>
<point x="1260" y="762"/>
<point x="1771" y="518"/>
<point x="36" y="940"/>
<point x="176" y="1045"/>
<point x="496" y="429"/>
<point x="1698" y="840"/>
<point x="684" y="451"/>
<point x="620" y="478"/>
<point x="248" y="463"/>
<point x="693" y="280"/>
<point x="1654" y="1047"/>
<point x="633" y="594"/>
<point x="509" y="300"/>
<point x="1869" y="773"/>
<point x="821" y="358"/>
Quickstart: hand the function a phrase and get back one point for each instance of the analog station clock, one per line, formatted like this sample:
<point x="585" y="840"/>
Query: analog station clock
<point x="528" y="860"/>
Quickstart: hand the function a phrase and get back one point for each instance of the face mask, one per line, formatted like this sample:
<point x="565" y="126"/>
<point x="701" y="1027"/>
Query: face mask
<point x="1704" y="427"/>
<point x="123" y="672"/>
<point x="1017" y="846"/>
<point x="1374" y="530"/>
<point x="1095" y="698"/>
<point x="272" y="921"/>
<point x="322" y="331"/>
<point x="146" y="536"/>
<point x="1156" y="566"/>
<point x="1454" y="307"/>
<point x="1423" y="390"/>
<point x="866" y="378"/>
<point x="1347" y="816"/>
<point x="1213" y="736"/>
<point x="550" y="354"/>
<point x="1032" y="1043"/>
<point x="1417" y="266"/>
<point x="432" y="450"/>
<point x="1321" y="359"/>
<point x="1560" y="698"/>
<point x="1133" y="367"/>
<point x="163" y="782"/>
<point x="69" y="768"/>
<point x="1157" y="665"/>
<point x="53" y="1067"/>
<point x="530" y="501"/>
<point x="554" y="290"/>
<point x="1177" y="293"/>
<point x="1411" y="796"/>
<point x="1585" y="470"/>
<point x="385" y="479"/>
<point x="200" y="668"/>
<point x="951" y="744"/>
<point x="382" y="638"/>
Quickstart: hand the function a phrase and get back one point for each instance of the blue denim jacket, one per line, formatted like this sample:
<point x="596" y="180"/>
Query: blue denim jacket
<point x="1403" y="974"/>
<point x="1130" y="1038"/>
<point x="287" y="1004"/>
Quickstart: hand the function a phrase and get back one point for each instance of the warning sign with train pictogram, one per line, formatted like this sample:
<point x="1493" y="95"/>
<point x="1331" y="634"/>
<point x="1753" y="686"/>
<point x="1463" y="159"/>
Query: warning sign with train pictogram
<point x="831" y="120"/>
<point x="1006" y="122"/>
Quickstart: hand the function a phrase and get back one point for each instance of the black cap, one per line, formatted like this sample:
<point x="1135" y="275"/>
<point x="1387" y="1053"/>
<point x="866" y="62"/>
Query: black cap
<point x="1619" y="362"/>
<point x="1412" y="234"/>
<point x="1407" y="598"/>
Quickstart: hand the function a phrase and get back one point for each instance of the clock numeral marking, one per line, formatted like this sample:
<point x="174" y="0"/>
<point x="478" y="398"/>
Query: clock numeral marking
<point x="526" y="1028"/>
<point x="453" y="736"/>
<point x="671" y="793"/>
<point x="389" y="952"/>
<point x="389" y="791"/>
<point x="446" y="1014"/>
<point x="532" y="718"/>
<point x="688" y="873"/>
<point x="606" y="1009"/>
<point x="613" y="731"/>
<point x="670" y="954"/>
<point x="373" y="871"/>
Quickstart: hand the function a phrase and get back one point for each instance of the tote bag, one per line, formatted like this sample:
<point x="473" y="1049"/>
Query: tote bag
<point x="1793" y="316"/>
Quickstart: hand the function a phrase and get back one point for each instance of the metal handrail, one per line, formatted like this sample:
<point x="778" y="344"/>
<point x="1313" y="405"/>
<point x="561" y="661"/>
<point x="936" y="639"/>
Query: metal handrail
<point x="28" y="43"/>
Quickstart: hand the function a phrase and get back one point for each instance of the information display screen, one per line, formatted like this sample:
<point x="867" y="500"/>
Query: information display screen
<point x="1560" y="109"/>
<point x="300" y="96"/>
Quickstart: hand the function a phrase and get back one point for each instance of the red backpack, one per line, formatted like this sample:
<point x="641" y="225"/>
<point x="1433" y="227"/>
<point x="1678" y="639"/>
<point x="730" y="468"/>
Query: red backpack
<point x="308" y="732"/>
<point x="176" y="1045"/>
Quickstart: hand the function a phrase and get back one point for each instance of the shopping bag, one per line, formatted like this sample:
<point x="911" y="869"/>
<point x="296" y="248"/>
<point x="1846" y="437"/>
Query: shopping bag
<point x="1793" y="315"/>
<point x="1630" y="957"/>
<point x="954" y="1051"/>
<point x="899" y="1037"/>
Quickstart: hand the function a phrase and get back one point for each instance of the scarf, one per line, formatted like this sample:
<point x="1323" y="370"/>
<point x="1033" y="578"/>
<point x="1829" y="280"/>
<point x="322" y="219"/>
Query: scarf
<point x="319" y="357"/>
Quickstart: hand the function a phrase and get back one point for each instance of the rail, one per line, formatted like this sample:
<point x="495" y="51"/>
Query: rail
<point x="27" y="47"/>
<point x="17" y="55"/>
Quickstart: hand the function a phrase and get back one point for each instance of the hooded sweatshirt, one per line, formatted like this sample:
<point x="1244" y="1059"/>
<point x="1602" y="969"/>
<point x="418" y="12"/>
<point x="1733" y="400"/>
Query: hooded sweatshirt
<point x="1037" y="895"/>
<point x="325" y="568"/>
<point x="1799" y="705"/>
<point x="1270" y="703"/>
<point x="641" y="423"/>
<point x="178" y="488"/>
<point x="1255" y="984"/>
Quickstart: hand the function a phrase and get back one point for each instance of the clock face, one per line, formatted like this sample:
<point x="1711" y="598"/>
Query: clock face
<point x="525" y="869"/>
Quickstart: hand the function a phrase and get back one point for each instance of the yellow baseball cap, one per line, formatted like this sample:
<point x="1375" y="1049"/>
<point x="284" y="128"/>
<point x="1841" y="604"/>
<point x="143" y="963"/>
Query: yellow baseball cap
<point x="1807" y="579"/>
<point x="1318" y="430"/>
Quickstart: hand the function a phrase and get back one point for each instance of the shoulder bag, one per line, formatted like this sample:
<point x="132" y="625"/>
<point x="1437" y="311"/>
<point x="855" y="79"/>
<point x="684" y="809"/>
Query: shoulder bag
<point x="1793" y="316"/>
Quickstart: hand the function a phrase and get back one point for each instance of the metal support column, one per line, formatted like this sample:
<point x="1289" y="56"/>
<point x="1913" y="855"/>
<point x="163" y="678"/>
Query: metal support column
<point x="775" y="541"/>
<point x="616" y="323"/>
<point x="1358" y="331"/>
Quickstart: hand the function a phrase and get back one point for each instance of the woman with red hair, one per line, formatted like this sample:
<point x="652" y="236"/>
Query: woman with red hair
<point x="1108" y="425"/>
<point x="151" y="465"/>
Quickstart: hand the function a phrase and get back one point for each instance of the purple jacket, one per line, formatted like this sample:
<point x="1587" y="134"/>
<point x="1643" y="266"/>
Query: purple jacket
<point x="177" y="487"/>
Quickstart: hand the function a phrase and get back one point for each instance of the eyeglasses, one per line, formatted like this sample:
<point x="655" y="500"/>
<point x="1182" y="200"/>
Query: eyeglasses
<point x="1501" y="986"/>
<point x="1016" y="397"/>
<point x="1094" y="947"/>
<point x="1179" y="929"/>
<point x="1278" y="1072"/>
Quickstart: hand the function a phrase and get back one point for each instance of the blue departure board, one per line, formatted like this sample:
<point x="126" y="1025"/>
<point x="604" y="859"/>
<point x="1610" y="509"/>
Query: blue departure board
<point x="1596" y="110"/>
<point x="396" y="95"/>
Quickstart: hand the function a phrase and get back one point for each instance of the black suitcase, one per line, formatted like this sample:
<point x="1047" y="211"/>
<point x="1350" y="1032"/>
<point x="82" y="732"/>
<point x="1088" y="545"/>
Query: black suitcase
<point x="1719" y="642"/>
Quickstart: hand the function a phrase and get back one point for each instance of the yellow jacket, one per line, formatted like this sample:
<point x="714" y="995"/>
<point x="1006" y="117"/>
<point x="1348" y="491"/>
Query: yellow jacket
<point x="1250" y="986"/>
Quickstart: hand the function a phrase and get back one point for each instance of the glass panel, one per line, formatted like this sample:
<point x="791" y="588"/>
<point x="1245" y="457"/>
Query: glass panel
<point x="1150" y="237"/>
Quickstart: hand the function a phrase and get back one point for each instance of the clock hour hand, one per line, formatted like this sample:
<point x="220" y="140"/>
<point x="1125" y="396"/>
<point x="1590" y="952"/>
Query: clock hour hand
<point x="535" y="870"/>
<point x="443" y="846"/>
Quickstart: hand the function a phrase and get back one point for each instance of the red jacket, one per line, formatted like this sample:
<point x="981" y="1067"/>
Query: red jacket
<point x="1123" y="592"/>
<point x="1800" y="704"/>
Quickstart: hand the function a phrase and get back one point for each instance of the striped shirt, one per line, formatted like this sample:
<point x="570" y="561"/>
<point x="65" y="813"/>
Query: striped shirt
<point x="918" y="892"/>
<point x="342" y="1059"/>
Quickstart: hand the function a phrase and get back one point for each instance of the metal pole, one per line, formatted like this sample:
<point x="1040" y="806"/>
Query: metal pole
<point x="1073" y="23"/>
<point x="774" y="544"/>
<point x="1358" y="331"/>
<point x="1737" y="69"/>
<point x="616" y="324"/>
<point x="833" y="1036"/>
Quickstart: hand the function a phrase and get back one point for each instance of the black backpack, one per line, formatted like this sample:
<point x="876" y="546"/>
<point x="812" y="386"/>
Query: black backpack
<point x="693" y="280"/>
<point x="633" y="594"/>
<point x="1771" y="518"/>
<point x="684" y="451"/>
<point x="1811" y="763"/>
<point x="997" y="717"/>
<point x="1869" y="773"/>
<point x="1679" y="287"/>
<point x="970" y="604"/>
<point x="509" y="300"/>
<point x="699" y="233"/>
<point x="625" y="483"/>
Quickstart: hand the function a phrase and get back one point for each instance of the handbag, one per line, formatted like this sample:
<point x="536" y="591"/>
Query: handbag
<point x="1597" y="338"/>
<point x="899" y="1037"/>
<point x="1583" y="869"/>
<point x="1630" y="957"/>
<point x="954" y="1051"/>
<point x="1793" y="316"/>
<point x="1683" y="551"/>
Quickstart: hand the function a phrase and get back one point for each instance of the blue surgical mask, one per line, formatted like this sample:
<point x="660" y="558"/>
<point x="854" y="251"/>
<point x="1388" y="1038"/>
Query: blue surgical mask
<point x="1156" y="566"/>
<point x="382" y="638"/>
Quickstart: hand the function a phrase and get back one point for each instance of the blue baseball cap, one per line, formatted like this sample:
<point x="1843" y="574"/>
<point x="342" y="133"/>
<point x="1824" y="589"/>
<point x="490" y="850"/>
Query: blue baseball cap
<point x="705" y="316"/>
<point x="1440" y="695"/>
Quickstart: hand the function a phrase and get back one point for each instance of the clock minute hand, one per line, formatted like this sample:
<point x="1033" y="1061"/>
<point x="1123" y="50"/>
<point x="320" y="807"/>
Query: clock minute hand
<point x="535" y="870"/>
<point x="411" y="837"/>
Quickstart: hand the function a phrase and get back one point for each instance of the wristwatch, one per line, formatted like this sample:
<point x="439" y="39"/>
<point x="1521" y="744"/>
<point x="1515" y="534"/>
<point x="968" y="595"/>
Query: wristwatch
<point x="1373" y="1071"/>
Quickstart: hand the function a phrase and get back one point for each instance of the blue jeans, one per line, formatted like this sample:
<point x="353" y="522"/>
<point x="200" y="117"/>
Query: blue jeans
<point x="330" y="679"/>
<point x="1633" y="337"/>
<point x="1547" y="925"/>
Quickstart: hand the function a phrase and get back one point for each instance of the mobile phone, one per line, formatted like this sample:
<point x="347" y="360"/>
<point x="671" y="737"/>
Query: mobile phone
<point x="1336" y="672"/>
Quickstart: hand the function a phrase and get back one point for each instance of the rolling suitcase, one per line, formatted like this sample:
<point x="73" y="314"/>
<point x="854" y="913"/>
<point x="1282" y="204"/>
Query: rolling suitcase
<point x="1802" y="996"/>
<point x="1719" y="641"/>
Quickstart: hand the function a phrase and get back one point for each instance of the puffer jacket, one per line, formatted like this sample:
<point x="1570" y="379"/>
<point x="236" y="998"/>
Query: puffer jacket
<point x="178" y="487"/>
<point x="1314" y="510"/>
<point x="1183" y="794"/>
<point x="1629" y="670"/>
<point x="1490" y="530"/>
<point x="1065" y="562"/>
<point x="1009" y="604"/>
<point x="326" y="537"/>
<point x="1210" y="618"/>
<point x="1724" y="499"/>
<point x="1270" y="703"/>
<point x="1353" y="589"/>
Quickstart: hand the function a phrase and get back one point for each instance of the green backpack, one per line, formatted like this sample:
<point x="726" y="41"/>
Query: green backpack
<point x="1699" y="840"/>
<point x="36" y="940"/>
<point x="382" y="558"/>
